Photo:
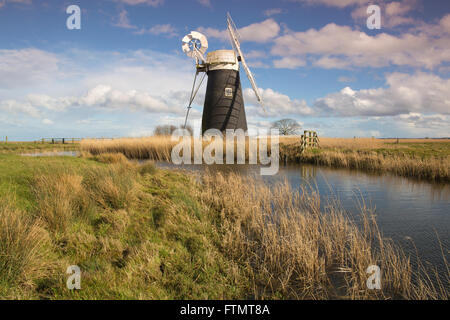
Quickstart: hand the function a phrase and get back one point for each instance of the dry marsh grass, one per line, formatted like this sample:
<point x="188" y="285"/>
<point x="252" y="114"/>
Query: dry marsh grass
<point x="157" y="148"/>
<point x="291" y="249"/>
<point x="431" y="169"/>
<point x="24" y="249"/>
<point x="427" y="159"/>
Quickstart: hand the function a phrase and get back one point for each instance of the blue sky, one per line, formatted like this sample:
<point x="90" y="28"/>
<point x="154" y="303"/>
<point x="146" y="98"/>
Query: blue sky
<point x="124" y="72"/>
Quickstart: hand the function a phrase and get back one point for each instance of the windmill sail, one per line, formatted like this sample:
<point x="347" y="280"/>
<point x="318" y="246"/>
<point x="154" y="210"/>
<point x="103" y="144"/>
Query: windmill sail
<point x="234" y="37"/>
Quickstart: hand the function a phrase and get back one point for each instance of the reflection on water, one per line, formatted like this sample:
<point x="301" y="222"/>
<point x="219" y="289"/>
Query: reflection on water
<point x="52" y="154"/>
<point x="404" y="207"/>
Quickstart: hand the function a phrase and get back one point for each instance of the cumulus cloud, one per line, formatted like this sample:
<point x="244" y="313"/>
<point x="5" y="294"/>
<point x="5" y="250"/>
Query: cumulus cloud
<point x="405" y="94"/>
<point x="393" y="13"/>
<point x="289" y="63"/>
<point x="419" y="120"/>
<point x="26" y="66"/>
<point x="17" y="108"/>
<point x="259" y="32"/>
<point x="145" y="81"/>
<point x="341" y="47"/>
<point x="275" y="104"/>
<point x="107" y="97"/>
<point x="101" y="96"/>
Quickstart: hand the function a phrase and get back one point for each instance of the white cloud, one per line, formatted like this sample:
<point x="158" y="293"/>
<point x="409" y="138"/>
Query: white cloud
<point x="276" y="104"/>
<point x="289" y="63"/>
<point x="255" y="54"/>
<point x="144" y="81"/>
<point x="405" y="94"/>
<point x="107" y="97"/>
<point x="26" y="66"/>
<point x="393" y="13"/>
<point x="335" y="46"/>
<point x="50" y="103"/>
<point x="260" y="32"/>
<point x="416" y="120"/>
<point x="17" y="108"/>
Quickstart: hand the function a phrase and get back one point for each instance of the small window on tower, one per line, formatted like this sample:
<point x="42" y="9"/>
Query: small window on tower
<point x="228" y="92"/>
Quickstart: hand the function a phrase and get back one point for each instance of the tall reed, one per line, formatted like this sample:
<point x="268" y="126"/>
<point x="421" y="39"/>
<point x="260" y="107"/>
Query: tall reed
<point x="293" y="249"/>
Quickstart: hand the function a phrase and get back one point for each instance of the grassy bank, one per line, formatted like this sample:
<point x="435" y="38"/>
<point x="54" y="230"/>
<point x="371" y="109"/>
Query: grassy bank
<point x="138" y="232"/>
<point x="422" y="159"/>
<point x="134" y="231"/>
<point x="22" y="147"/>
<point x="425" y="159"/>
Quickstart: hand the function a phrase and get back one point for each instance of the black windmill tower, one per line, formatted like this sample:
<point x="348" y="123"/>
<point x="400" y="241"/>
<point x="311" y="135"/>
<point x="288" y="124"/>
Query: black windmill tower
<point x="224" y="104"/>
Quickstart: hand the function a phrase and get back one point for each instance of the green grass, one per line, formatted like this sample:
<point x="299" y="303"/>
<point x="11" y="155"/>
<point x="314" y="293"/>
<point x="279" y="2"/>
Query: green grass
<point x="19" y="147"/>
<point x="135" y="232"/>
<point x="418" y="150"/>
<point x="17" y="171"/>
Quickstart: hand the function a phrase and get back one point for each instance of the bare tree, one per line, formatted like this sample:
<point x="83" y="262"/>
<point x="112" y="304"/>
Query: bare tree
<point x="167" y="130"/>
<point x="164" y="130"/>
<point x="287" y="126"/>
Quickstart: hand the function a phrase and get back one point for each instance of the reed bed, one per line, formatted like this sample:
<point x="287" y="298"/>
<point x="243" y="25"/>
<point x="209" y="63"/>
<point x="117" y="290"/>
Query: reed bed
<point x="431" y="169"/>
<point x="368" y="154"/>
<point x="156" y="148"/>
<point x="292" y="249"/>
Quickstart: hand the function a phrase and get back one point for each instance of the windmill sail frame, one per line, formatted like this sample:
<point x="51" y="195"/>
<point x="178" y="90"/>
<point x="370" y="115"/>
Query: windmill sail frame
<point x="234" y="38"/>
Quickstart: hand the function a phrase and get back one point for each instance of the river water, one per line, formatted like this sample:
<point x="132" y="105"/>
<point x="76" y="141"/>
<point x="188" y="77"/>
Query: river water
<point x="411" y="212"/>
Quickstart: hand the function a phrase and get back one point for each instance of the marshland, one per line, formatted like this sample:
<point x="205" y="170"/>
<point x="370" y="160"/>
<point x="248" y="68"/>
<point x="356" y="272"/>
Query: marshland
<point x="142" y="229"/>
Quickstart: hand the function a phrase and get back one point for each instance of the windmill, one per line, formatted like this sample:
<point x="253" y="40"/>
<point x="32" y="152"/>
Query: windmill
<point x="224" y="104"/>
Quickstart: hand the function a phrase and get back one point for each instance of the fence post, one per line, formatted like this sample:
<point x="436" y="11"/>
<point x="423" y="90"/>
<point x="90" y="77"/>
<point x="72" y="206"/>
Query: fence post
<point x="6" y="139"/>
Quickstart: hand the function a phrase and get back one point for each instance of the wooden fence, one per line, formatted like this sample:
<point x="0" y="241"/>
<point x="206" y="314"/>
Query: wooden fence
<point x="309" y="139"/>
<point x="59" y="140"/>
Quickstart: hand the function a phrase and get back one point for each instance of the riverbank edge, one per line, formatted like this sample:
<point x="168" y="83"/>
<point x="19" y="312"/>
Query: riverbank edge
<point x="423" y="169"/>
<point x="426" y="168"/>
